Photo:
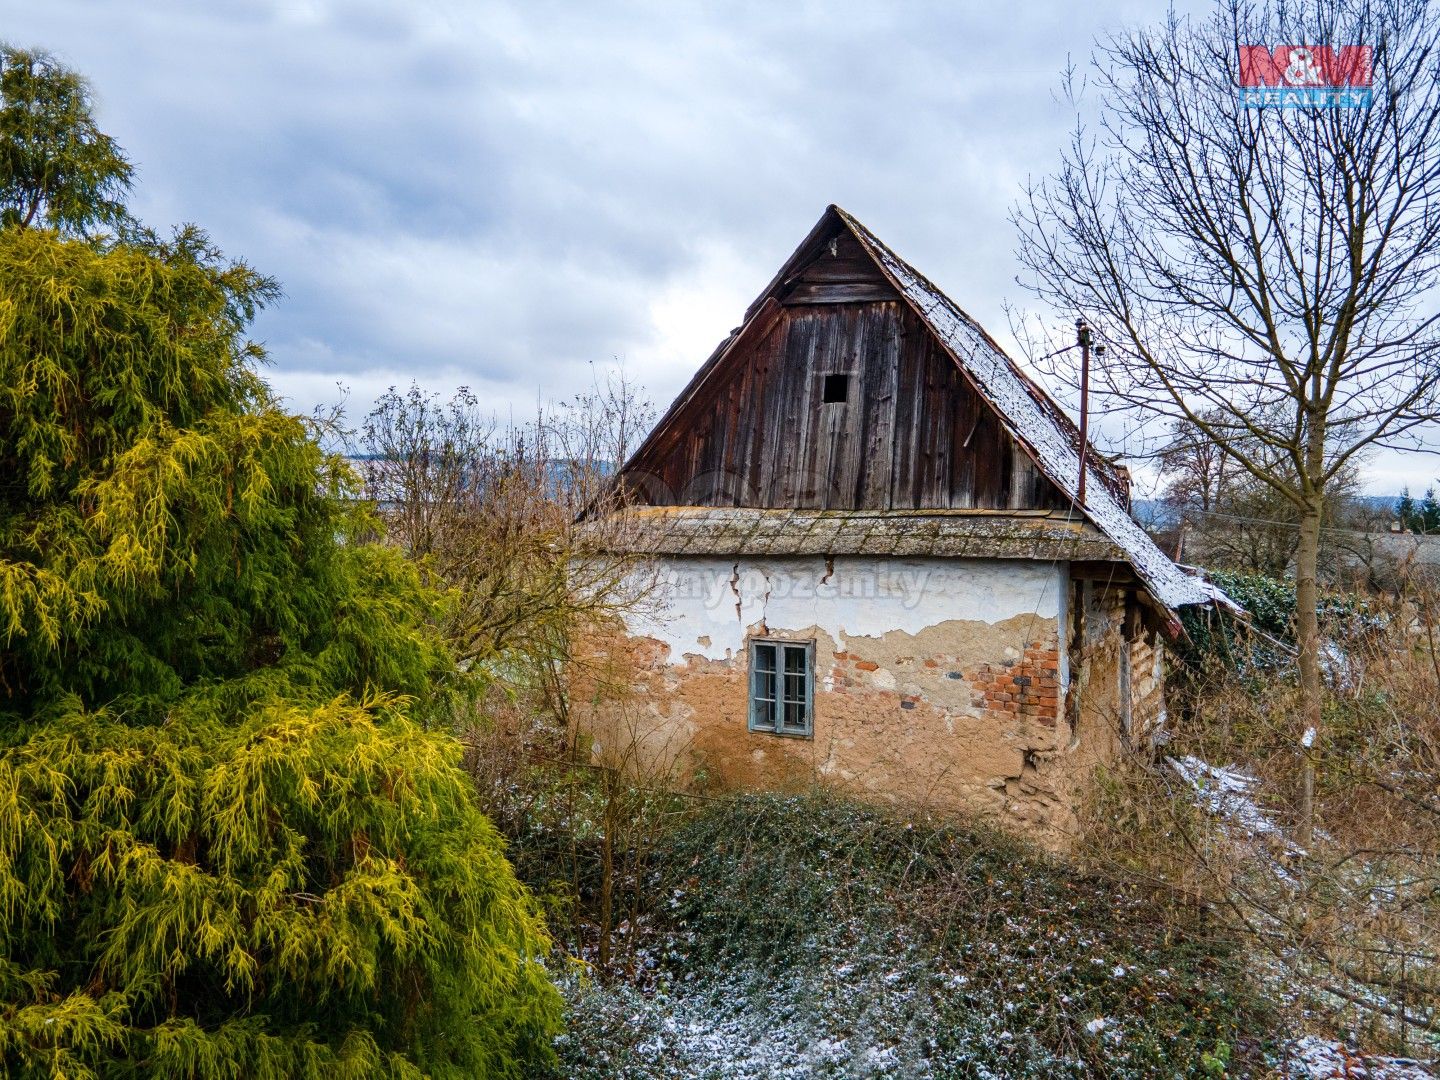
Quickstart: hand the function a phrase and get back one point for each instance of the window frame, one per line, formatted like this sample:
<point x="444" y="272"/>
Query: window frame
<point x="773" y="724"/>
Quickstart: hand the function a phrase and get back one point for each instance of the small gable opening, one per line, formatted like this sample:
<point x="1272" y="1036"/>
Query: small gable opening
<point x="836" y="389"/>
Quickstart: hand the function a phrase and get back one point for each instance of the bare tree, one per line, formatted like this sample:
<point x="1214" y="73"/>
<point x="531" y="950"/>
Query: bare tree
<point x="1233" y="521"/>
<point x="493" y="512"/>
<point x="1266" y="274"/>
<point x="490" y="510"/>
<point x="1194" y="467"/>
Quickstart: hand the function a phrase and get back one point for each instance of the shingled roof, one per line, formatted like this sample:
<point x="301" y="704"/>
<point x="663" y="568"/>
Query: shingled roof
<point x="1031" y="417"/>
<point x="981" y="534"/>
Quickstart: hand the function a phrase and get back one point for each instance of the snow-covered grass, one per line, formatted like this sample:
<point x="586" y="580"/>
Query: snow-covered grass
<point x="1274" y="885"/>
<point x="800" y="937"/>
<point x="1228" y="793"/>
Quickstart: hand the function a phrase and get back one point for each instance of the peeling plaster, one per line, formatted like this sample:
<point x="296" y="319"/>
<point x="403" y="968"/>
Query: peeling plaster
<point x="931" y="683"/>
<point x="711" y="604"/>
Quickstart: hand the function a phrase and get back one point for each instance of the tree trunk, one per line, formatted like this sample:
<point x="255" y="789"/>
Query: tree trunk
<point x="1307" y="627"/>
<point x="607" y="869"/>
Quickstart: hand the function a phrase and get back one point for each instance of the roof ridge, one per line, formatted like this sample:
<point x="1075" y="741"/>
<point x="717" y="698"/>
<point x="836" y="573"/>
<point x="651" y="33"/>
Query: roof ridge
<point x="1028" y="413"/>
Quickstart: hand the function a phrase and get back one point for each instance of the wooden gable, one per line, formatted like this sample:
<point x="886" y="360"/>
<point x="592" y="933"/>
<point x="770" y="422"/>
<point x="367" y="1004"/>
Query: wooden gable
<point x="835" y="394"/>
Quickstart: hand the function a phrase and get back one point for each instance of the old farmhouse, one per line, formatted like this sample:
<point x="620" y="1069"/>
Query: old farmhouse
<point x="874" y="568"/>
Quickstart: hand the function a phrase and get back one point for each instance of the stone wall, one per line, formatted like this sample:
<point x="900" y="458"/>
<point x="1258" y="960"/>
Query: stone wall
<point x="939" y="683"/>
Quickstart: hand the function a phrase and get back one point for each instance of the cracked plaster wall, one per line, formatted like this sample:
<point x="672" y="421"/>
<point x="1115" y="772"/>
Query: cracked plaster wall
<point x="939" y="682"/>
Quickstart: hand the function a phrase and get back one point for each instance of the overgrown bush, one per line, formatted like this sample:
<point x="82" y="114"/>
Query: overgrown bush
<point x="1261" y="642"/>
<point x="814" y="936"/>
<point x="290" y="891"/>
<point x="1348" y="925"/>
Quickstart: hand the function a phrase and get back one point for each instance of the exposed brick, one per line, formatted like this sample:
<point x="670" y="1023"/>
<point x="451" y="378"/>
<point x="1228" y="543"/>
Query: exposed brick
<point x="866" y="665"/>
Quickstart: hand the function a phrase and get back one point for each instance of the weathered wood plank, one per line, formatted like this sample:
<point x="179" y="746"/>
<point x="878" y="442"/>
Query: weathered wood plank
<point x="880" y="370"/>
<point x="839" y="293"/>
<point x="966" y="422"/>
<point x="913" y="435"/>
<point x="847" y="418"/>
<point x="772" y="401"/>
<point x="853" y="268"/>
<point x="756" y="419"/>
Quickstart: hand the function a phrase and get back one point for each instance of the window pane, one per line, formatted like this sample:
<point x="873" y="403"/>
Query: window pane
<point x="763" y="679"/>
<point x="795" y="715"/>
<point x="764" y="686"/>
<point x="796" y="688"/>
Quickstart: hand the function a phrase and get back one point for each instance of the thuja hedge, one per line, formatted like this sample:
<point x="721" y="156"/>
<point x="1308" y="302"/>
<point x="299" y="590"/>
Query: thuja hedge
<point x="231" y="843"/>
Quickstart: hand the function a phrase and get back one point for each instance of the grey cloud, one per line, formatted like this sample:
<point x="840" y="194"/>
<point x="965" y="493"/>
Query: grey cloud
<point x="503" y="194"/>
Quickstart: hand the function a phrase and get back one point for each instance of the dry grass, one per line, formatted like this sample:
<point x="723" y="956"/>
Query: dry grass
<point x="1349" y="928"/>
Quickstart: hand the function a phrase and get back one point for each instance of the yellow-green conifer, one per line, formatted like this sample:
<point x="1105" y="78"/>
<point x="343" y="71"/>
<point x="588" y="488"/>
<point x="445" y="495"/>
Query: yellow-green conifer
<point x="230" y="844"/>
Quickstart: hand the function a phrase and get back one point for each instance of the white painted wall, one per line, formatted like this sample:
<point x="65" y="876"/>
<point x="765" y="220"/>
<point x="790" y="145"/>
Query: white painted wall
<point x="712" y="602"/>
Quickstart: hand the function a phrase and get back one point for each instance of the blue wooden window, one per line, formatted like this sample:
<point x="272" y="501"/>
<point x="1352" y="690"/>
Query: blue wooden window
<point x="782" y="687"/>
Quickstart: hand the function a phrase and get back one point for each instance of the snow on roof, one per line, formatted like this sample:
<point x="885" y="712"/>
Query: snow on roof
<point x="1038" y="424"/>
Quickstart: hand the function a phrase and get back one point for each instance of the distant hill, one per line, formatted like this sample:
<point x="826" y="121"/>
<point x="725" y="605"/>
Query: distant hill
<point x="1153" y="514"/>
<point x="1158" y="515"/>
<point x="1378" y="502"/>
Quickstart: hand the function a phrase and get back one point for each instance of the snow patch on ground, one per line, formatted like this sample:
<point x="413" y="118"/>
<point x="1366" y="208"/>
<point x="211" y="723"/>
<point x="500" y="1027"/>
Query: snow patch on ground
<point x="1227" y="793"/>
<point x="1314" y="1058"/>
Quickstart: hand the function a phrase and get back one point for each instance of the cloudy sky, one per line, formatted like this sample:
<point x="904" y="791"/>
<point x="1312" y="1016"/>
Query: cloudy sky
<point x="510" y="196"/>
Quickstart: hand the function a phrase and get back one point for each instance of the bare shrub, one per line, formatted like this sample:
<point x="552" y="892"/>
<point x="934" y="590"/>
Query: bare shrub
<point x="1349" y="924"/>
<point x="491" y="511"/>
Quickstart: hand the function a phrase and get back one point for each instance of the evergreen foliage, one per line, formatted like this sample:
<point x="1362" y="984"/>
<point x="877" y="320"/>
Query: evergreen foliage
<point x="1419" y="517"/>
<point x="293" y="891"/>
<point x="230" y="844"/>
<point x="57" y="168"/>
<point x="1263" y="642"/>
